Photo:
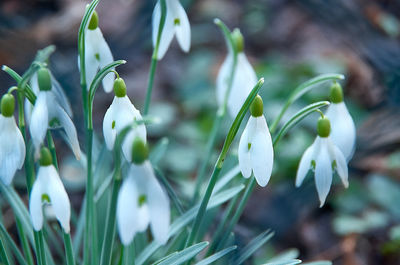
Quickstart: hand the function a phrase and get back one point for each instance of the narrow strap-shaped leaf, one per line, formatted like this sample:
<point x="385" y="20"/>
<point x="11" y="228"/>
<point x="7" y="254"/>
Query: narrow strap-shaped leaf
<point x="287" y="262"/>
<point x="253" y="246"/>
<point x="183" y="256"/>
<point x="158" y="151"/>
<point x="321" y="262"/>
<point x="7" y="238"/>
<point x="216" y="256"/>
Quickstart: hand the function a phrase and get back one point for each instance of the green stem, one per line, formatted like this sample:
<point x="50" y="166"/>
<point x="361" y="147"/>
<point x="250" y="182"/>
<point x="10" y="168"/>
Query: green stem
<point x="41" y="247"/>
<point x="52" y="148"/>
<point x="68" y="249"/>
<point x="3" y="253"/>
<point x="89" y="197"/>
<point x="129" y="254"/>
<point x="24" y="242"/>
<point x="110" y="224"/>
<point x="154" y="59"/>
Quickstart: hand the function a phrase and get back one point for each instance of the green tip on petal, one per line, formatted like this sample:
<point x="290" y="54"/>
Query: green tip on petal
<point x="323" y="127"/>
<point x="45" y="157"/>
<point x="7" y="105"/>
<point x="119" y="87"/>
<point x="140" y="151"/>
<point x="336" y="95"/>
<point x="238" y="40"/>
<point x="44" y="79"/>
<point x="94" y="21"/>
<point x="256" y="108"/>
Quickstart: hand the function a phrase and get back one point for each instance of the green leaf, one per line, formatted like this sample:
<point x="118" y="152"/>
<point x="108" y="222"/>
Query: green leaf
<point x="299" y="116"/>
<point x="100" y="75"/>
<point x="253" y="246"/>
<point x="184" y="255"/>
<point x="12" y="244"/>
<point x="185" y="219"/>
<point x="287" y="262"/>
<point x="158" y="151"/>
<point x="301" y="90"/>
<point x="322" y="262"/>
<point x="224" y="180"/>
<point x="216" y="256"/>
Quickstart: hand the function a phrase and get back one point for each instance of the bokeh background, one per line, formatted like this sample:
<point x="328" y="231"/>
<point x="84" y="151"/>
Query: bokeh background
<point x="287" y="42"/>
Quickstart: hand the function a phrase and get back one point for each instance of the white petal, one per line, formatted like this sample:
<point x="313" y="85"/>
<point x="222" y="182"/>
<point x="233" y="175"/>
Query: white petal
<point x="35" y="205"/>
<point x="127" y="210"/>
<point x="244" y="152"/>
<point x="109" y="132"/>
<point x="143" y="219"/>
<point x="69" y="128"/>
<point x="158" y="203"/>
<point x="91" y="49"/>
<point x="223" y="79"/>
<point x="167" y="32"/>
<point x="243" y="82"/>
<point x="343" y="130"/>
<point x="261" y="152"/>
<point x="39" y="119"/>
<point x="58" y="197"/>
<point x="323" y="172"/>
<point x="341" y="165"/>
<point x="106" y="58"/>
<point x="304" y="165"/>
<point x="183" y="28"/>
<point x="12" y="148"/>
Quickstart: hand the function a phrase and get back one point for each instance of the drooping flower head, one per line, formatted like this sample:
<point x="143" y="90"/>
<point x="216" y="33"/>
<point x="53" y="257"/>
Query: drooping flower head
<point x="323" y="156"/>
<point x="243" y="80"/>
<point x="176" y="22"/>
<point x="97" y="54"/>
<point x="142" y="200"/>
<point x="256" y="152"/>
<point x="48" y="188"/>
<point x="47" y="111"/>
<point x="343" y="132"/>
<point x="120" y="114"/>
<point x="12" y="145"/>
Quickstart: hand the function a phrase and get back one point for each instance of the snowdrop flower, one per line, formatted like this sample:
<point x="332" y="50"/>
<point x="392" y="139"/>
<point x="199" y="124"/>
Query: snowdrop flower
<point x="176" y="22"/>
<point x="97" y="54"/>
<point x="142" y="200"/>
<point x="48" y="188"/>
<point x="244" y="78"/>
<point x="56" y="89"/>
<point x="48" y="111"/>
<point x="12" y="145"/>
<point x="120" y="114"/>
<point x="255" y="152"/>
<point x="323" y="156"/>
<point x="343" y="133"/>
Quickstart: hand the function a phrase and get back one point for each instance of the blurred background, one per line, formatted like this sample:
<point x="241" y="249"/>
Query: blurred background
<point x="287" y="42"/>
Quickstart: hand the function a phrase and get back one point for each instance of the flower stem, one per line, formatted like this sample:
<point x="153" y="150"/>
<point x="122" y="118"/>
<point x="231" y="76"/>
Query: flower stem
<point x="68" y="249"/>
<point x="52" y="148"/>
<point x="110" y="223"/>
<point x="3" y="253"/>
<point x="154" y="58"/>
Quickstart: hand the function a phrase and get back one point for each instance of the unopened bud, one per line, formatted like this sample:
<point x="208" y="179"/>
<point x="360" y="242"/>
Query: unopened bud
<point x="44" y="79"/>
<point x="323" y="127"/>
<point x="336" y="95"/>
<point x="7" y="105"/>
<point x="119" y="87"/>
<point x="238" y="40"/>
<point x="256" y="108"/>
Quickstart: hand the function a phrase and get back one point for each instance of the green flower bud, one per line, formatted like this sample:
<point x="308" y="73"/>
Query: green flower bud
<point x="140" y="151"/>
<point x="45" y="157"/>
<point x="336" y="95"/>
<point x="44" y="79"/>
<point x="119" y="87"/>
<point x="7" y="105"/>
<point x="323" y="127"/>
<point x="94" y="21"/>
<point x="256" y="108"/>
<point x="238" y="40"/>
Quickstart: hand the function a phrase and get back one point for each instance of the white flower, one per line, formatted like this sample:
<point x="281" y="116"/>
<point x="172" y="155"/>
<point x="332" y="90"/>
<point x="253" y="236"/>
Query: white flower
<point x="244" y="79"/>
<point x="176" y="22"/>
<point x="56" y="89"/>
<point x="12" y="145"/>
<point x="49" y="186"/>
<point x="323" y="157"/>
<point x="142" y="200"/>
<point x="97" y="54"/>
<point x="120" y="114"/>
<point x="47" y="110"/>
<point x="343" y="132"/>
<point x="255" y="148"/>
